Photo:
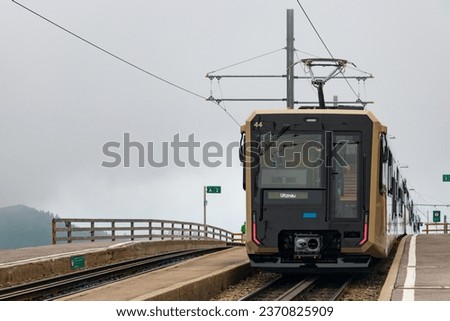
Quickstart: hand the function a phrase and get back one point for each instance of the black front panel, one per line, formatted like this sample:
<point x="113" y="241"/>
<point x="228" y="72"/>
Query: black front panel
<point x="312" y="181"/>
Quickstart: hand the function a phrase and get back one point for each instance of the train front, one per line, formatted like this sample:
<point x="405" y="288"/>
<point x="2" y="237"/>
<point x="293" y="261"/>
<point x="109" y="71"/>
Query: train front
<point x="307" y="180"/>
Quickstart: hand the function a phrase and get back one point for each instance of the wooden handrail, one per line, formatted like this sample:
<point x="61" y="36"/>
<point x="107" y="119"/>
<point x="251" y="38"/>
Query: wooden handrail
<point x="444" y="229"/>
<point x="83" y="229"/>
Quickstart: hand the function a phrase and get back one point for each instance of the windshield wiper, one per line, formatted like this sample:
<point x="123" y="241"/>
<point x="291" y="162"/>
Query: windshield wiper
<point x="274" y="138"/>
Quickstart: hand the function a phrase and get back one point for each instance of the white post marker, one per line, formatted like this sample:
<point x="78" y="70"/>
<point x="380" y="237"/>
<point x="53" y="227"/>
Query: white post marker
<point x="410" y="281"/>
<point x="208" y="190"/>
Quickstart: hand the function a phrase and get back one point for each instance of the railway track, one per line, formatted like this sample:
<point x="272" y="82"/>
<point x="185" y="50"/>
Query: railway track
<point x="308" y="288"/>
<point x="60" y="286"/>
<point x="328" y="288"/>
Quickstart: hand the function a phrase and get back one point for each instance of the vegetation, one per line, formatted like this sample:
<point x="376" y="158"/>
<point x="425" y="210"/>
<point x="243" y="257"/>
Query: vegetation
<point x="22" y="226"/>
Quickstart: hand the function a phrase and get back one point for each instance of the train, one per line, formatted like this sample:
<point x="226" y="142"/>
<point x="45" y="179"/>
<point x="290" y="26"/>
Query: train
<point x="323" y="190"/>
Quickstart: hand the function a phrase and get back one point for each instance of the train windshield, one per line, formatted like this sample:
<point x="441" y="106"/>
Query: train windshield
<point x="292" y="160"/>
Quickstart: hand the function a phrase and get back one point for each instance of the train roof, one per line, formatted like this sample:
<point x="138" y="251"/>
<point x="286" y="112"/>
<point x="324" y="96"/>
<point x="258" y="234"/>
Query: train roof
<point x="331" y="111"/>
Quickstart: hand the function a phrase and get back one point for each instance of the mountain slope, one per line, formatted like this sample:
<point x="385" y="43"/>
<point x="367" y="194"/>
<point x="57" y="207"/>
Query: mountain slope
<point x="22" y="226"/>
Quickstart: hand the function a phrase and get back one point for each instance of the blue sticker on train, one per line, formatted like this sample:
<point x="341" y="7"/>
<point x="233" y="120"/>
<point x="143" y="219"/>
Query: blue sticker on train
<point x="309" y="215"/>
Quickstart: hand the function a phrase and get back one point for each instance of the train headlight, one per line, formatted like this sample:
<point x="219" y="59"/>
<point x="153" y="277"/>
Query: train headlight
<point x="307" y="244"/>
<point x="301" y="244"/>
<point x="313" y="244"/>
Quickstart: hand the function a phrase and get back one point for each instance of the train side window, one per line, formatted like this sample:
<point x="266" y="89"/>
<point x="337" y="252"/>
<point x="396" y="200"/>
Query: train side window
<point x="242" y="148"/>
<point x="411" y="212"/>
<point x="243" y="159"/>
<point x="384" y="149"/>
<point x="394" y="197"/>
<point x="390" y="173"/>
<point x="400" y="202"/>
<point x="384" y="156"/>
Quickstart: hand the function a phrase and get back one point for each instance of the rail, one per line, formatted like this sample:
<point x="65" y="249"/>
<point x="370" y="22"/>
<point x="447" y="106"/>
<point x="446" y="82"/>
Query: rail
<point x="438" y="228"/>
<point x="70" y="230"/>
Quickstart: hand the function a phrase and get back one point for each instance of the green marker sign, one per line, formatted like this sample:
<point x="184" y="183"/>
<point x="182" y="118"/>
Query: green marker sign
<point x="436" y="216"/>
<point x="213" y="189"/>
<point x="446" y="178"/>
<point x="77" y="262"/>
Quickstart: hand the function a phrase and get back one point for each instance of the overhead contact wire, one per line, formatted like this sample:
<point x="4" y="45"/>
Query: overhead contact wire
<point x="315" y="30"/>
<point x="123" y="60"/>
<point x="325" y="45"/>
<point x="246" y="60"/>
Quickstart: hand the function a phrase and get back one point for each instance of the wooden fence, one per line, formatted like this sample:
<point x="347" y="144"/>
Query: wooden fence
<point x="70" y="230"/>
<point x="437" y="228"/>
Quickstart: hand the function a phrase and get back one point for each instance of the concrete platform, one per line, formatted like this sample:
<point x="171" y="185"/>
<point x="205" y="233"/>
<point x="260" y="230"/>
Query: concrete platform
<point x="198" y="279"/>
<point x="420" y="271"/>
<point x="35" y="263"/>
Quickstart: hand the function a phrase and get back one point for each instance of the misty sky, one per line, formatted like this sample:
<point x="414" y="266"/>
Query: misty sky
<point x="61" y="100"/>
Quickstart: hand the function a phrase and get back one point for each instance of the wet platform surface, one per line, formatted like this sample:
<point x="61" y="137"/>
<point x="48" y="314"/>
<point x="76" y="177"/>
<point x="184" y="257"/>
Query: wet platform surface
<point x="421" y="271"/>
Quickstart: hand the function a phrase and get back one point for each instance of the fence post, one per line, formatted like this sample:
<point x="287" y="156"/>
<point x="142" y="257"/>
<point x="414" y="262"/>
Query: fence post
<point x="150" y="230"/>
<point x="53" y="231"/>
<point x="132" y="230"/>
<point x="113" y="231"/>
<point x="92" y="231"/>
<point x="69" y="231"/>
